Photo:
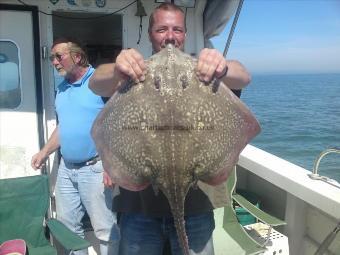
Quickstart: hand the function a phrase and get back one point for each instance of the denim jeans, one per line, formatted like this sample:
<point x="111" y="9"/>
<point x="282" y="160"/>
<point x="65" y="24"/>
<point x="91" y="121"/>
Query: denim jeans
<point x="141" y="234"/>
<point x="80" y="190"/>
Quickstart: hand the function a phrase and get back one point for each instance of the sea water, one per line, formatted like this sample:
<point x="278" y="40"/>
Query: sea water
<point x="299" y="116"/>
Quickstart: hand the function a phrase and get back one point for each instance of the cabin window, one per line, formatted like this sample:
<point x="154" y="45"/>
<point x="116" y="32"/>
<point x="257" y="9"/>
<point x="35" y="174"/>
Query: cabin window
<point x="10" y="94"/>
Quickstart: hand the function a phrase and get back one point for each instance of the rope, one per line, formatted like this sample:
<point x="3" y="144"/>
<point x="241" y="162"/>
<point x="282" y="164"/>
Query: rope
<point x="233" y="28"/>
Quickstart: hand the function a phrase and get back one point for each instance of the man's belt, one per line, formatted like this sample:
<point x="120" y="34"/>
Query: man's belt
<point x="78" y="165"/>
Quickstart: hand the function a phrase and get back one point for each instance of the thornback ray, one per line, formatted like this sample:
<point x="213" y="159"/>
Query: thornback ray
<point x="171" y="131"/>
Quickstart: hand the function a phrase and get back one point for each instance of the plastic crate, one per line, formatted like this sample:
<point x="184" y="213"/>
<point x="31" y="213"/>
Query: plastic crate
<point x="277" y="243"/>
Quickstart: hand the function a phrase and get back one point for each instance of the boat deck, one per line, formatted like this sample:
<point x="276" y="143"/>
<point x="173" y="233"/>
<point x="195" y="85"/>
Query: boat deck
<point x="223" y="243"/>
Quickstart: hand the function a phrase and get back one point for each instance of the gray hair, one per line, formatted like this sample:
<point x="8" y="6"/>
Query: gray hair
<point x="75" y="47"/>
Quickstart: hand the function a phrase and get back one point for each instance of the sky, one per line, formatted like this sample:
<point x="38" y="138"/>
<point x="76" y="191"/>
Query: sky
<point x="286" y="36"/>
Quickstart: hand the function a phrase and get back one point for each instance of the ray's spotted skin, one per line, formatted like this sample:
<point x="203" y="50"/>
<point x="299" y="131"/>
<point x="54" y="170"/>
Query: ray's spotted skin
<point x="171" y="131"/>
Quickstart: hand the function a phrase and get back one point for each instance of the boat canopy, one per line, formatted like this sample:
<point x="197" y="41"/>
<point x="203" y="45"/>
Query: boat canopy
<point x="215" y="17"/>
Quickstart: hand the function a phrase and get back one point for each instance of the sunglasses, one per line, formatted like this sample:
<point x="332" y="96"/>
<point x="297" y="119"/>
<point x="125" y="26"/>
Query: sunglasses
<point x="56" y="56"/>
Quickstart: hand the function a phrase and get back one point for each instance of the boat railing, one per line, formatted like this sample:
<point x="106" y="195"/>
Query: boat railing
<point x="315" y="176"/>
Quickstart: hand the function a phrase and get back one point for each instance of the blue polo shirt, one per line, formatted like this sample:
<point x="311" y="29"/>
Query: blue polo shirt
<point x="77" y="107"/>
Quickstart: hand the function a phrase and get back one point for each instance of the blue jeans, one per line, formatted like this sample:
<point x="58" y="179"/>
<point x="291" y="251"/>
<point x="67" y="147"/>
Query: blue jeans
<point x="142" y="235"/>
<point x="80" y="190"/>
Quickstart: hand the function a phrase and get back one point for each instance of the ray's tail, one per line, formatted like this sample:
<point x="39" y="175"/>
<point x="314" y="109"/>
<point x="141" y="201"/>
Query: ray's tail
<point x="181" y="233"/>
<point x="177" y="210"/>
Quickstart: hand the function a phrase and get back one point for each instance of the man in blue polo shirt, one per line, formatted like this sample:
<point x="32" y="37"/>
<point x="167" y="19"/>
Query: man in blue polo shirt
<point x="80" y="182"/>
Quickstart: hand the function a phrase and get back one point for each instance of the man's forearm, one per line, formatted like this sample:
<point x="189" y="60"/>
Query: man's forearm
<point x="108" y="78"/>
<point x="236" y="77"/>
<point x="52" y="144"/>
<point x="104" y="82"/>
